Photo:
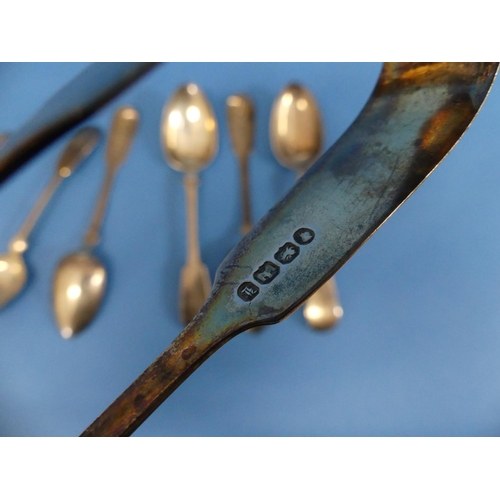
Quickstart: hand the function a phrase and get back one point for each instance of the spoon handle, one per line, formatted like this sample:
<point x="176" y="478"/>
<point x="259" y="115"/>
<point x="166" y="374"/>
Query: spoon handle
<point x="245" y="196"/>
<point x="20" y="240"/>
<point x="121" y="136"/>
<point x="191" y="184"/>
<point x="195" y="283"/>
<point x="322" y="310"/>
<point x="93" y="235"/>
<point x="77" y="149"/>
<point x="240" y="113"/>
<point x="191" y="348"/>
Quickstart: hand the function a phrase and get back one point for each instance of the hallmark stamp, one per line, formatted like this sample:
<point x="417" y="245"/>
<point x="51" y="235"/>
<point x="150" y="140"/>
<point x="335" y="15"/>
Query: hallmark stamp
<point x="266" y="273"/>
<point x="287" y="253"/>
<point x="304" y="236"/>
<point x="248" y="291"/>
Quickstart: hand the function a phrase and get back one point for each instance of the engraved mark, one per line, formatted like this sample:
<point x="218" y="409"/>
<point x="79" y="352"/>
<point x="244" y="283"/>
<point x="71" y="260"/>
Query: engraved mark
<point x="248" y="291"/>
<point x="287" y="253"/>
<point x="266" y="273"/>
<point x="304" y="236"/>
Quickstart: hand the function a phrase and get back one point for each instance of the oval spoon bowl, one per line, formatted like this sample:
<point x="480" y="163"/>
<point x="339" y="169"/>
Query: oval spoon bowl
<point x="79" y="286"/>
<point x="13" y="276"/>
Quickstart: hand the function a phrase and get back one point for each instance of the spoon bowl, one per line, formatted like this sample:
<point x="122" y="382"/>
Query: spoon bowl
<point x="189" y="132"/>
<point x="295" y="128"/>
<point x="13" y="276"/>
<point x="79" y="286"/>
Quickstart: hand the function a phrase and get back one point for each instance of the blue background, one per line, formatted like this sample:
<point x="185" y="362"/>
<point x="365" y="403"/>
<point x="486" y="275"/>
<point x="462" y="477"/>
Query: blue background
<point x="417" y="352"/>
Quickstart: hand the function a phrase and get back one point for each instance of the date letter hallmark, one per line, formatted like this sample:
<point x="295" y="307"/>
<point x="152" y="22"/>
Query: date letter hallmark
<point x="248" y="291"/>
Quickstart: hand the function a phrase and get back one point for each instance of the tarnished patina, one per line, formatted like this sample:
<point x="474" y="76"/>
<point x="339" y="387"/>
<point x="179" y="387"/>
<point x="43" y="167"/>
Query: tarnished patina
<point x="415" y="115"/>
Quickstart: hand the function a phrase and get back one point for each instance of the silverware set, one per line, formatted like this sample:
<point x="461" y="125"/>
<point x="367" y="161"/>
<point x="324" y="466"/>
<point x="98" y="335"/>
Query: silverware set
<point x="189" y="140"/>
<point x="13" y="269"/>
<point x="80" y="278"/>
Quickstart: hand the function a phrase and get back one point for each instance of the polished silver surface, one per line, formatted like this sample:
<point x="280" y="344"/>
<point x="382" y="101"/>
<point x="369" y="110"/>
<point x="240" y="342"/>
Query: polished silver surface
<point x="80" y="279"/>
<point x="190" y="141"/>
<point x="13" y="269"/>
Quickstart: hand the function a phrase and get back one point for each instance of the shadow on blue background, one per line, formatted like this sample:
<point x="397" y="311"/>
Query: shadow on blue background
<point x="417" y="350"/>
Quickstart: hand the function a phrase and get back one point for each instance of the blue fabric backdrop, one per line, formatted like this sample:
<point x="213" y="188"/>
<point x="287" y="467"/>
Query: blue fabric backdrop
<point x="417" y="352"/>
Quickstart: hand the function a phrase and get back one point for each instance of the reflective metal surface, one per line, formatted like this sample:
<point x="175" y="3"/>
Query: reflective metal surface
<point x="241" y="121"/>
<point x="121" y="137"/>
<point x="13" y="270"/>
<point x="322" y="310"/>
<point x="189" y="131"/>
<point x="80" y="278"/>
<point x="79" y="286"/>
<point x="190" y="140"/>
<point x="416" y="114"/>
<point x="296" y="134"/>
<point x="13" y="276"/>
<point x="295" y="128"/>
